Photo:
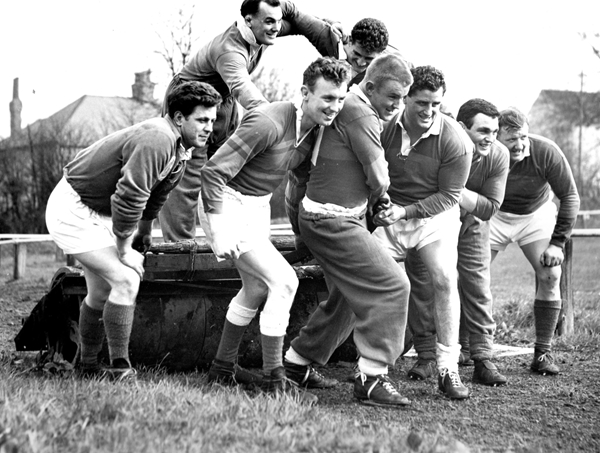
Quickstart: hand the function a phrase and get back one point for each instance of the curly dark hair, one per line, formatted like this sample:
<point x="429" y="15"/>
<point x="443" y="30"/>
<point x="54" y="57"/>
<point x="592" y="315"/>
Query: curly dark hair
<point x="187" y="96"/>
<point x="330" y="69"/>
<point x="370" y="34"/>
<point x="427" y="78"/>
<point x="472" y="107"/>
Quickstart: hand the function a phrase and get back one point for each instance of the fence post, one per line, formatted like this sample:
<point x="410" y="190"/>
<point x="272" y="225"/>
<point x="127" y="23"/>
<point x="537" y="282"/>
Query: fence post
<point x="566" y="323"/>
<point x="20" y="262"/>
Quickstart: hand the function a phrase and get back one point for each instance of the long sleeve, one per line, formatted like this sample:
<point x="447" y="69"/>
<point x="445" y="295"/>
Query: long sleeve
<point x="491" y="193"/>
<point x="452" y="176"/>
<point x="233" y="69"/>
<point x="145" y="165"/>
<point x="563" y="185"/>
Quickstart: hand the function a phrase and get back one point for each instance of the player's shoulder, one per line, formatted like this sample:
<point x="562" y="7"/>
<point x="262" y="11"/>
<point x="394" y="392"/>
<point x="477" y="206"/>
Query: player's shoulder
<point x="499" y="152"/>
<point x="543" y="142"/>
<point x="157" y="131"/>
<point x="453" y="131"/>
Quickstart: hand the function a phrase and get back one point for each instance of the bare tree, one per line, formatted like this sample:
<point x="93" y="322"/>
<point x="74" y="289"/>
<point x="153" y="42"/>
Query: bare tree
<point x="177" y="46"/>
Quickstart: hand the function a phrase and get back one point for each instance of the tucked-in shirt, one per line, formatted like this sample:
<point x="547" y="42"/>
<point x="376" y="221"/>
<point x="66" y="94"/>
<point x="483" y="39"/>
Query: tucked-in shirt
<point x="428" y="179"/>
<point x="532" y="180"/>
<point x="488" y="179"/>
<point x="129" y="174"/>
<point x="256" y="158"/>
<point x="351" y="167"/>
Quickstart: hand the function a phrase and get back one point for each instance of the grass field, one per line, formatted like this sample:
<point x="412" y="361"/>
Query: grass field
<point x="165" y="412"/>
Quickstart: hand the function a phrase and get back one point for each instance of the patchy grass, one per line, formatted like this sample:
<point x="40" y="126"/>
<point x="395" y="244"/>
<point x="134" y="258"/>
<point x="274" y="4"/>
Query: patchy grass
<point x="165" y="412"/>
<point x="178" y="412"/>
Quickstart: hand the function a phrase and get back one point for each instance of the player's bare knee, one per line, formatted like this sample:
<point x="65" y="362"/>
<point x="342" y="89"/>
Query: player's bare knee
<point x="127" y="285"/>
<point x="287" y="284"/>
<point x="549" y="277"/>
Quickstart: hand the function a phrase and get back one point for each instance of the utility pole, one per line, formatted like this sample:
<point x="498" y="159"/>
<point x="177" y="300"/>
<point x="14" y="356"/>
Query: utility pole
<point x="581" y="119"/>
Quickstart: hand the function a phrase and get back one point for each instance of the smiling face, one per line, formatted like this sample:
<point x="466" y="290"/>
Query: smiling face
<point x="421" y="107"/>
<point x="386" y="97"/>
<point x="197" y="126"/>
<point x="265" y="23"/>
<point x="482" y="133"/>
<point x="322" y="104"/>
<point x="358" y="57"/>
<point x="516" y="140"/>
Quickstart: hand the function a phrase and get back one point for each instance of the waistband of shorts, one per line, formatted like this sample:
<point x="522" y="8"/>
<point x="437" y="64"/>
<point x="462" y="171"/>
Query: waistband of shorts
<point x="315" y="207"/>
<point x="248" y="200"/>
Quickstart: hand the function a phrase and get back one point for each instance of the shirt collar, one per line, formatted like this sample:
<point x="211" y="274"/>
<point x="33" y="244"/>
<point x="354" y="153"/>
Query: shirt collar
<point x="184" y="154"/>
<point x="434" y="129"/>
<point x="361" y="94"/>
<point x="299" y="115"/>
<point x="247" y="34"/>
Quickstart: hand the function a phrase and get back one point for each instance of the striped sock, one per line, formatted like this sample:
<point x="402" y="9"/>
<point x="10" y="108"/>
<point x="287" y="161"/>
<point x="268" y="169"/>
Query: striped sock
<point x="546" y="313"/>
<point x="91" y="334"/>
<point x="118" y="320"/>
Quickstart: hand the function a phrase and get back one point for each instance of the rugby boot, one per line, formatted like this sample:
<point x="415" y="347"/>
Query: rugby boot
<point x="378" y="391"/>
<point x="486" y="373"/>
<point x="307" y="376"/>
<point x="449" y="383"/>
<point x="543" y="363"/>
<point x="422" y="370"/>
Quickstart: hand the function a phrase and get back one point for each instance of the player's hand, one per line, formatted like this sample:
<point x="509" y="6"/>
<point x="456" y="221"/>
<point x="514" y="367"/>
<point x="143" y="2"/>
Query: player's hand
<point x="223" y="242"/>
<point x="141" y="242"/>
<point x="134" y="260"/>
<point x="300" y="245"/>
<point x="389" y="216"/>
<point x="338" y="29"/>
<point x="552" y="256"/>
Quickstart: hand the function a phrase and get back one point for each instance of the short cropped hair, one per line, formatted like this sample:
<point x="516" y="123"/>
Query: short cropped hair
<point x="512" y="118"/>
<point x="186" y="97"/>
<point x="473" y="107"/>
<point x="331" y="69"/>
<point x="370" y="34"/>
<point x="427" y="78"/>
<point x="388" y="67"/>
<point x="251" y="6"/>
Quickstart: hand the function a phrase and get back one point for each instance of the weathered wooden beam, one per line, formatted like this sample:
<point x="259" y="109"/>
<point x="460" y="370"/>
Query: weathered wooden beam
<point x="566" y="321"/>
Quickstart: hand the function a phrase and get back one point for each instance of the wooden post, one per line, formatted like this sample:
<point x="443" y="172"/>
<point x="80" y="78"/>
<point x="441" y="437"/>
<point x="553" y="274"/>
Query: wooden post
<point x="71" y="261"/>
<point x="20" y="262"/>
<point x="566" y="323"/>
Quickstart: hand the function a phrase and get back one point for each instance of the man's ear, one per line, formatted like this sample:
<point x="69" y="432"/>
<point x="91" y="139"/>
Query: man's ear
<point x="304" y="91"/>
<point x="178" y="118"/>
<point x="369" y="87"/>
<point x="248" y="20"/>
<point x="464" y="126"/>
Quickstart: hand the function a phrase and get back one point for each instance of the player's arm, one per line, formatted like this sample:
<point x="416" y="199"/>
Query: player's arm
<point x="233" y="69"/>
<point x="324" y="34"/>
<point x="560" y="178"/>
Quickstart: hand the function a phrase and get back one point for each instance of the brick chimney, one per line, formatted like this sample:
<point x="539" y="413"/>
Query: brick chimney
<point x="15" y="110"/>
<point x="143" y="89"/>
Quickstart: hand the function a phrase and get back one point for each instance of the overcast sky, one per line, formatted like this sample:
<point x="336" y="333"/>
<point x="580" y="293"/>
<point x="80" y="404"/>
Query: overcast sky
<point x="504" y="51"/>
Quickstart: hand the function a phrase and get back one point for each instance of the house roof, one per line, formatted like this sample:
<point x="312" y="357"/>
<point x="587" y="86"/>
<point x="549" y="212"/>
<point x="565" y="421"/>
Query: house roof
<point x="85" y="121"/>
<point x="569" y="105"/>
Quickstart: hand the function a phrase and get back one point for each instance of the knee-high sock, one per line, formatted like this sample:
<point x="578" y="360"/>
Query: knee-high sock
<point x="236" y="322"/>
<point x="91" y="334"/>
<point x="546" y="313"/>
<point x="272" y="350"/>
<point x="118" y="320"/>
